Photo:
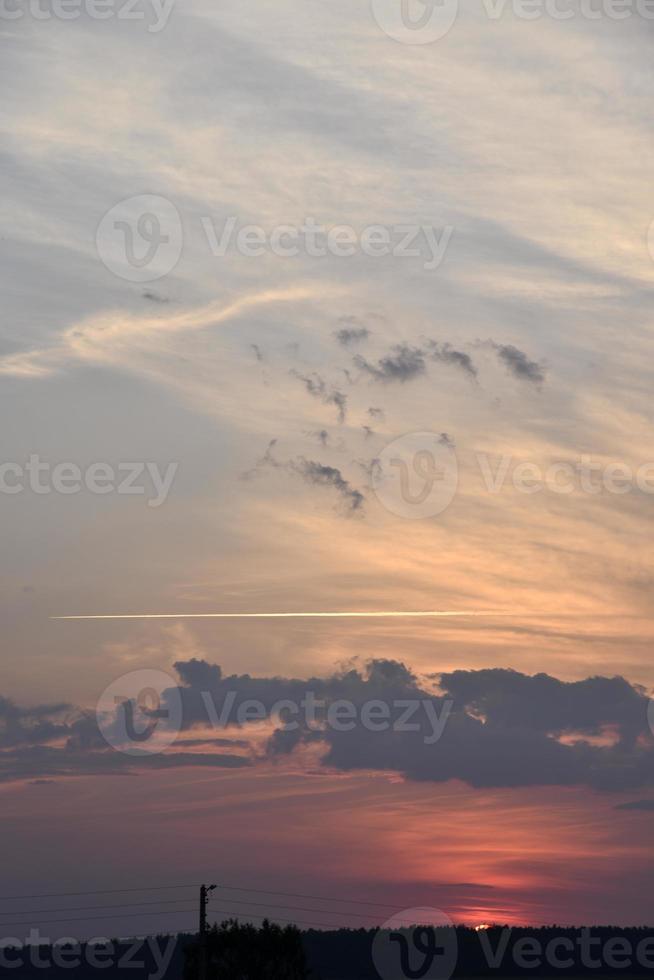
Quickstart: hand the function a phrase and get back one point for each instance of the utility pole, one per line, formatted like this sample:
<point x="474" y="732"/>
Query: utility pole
<point x="204" y="898"/>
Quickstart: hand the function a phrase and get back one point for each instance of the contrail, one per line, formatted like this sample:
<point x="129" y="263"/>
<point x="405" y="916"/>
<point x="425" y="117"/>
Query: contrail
<point x="384" y="614"/>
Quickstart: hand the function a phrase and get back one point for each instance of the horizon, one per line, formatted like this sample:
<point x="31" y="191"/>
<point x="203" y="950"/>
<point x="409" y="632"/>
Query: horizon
<point x="327" y="471"/>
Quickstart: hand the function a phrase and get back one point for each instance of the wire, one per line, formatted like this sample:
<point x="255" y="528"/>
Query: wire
<point x="96" y="908"/>
<point x="318" y="898"/>
<point x="104" y="891"/>
<point x="254" y="891"/>
<point x="295" y="908"/>
<point x="254" y="915"/>
<point x="84" y="918"/>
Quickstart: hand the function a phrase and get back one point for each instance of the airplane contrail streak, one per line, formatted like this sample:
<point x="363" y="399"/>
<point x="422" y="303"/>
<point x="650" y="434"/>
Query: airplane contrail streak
<point x="383" y="614"/>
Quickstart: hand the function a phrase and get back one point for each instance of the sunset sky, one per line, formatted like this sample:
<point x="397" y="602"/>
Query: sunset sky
<point x="268" y="386"/>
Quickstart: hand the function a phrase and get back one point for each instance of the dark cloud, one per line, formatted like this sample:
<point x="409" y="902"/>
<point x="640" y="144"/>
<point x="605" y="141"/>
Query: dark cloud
<point x="27" y="726"/>
<point x="403" y="363"/>
<point x="348" y="336"/>
<point x="377" y="414"/>
<point x="154" y="297"/>
<point x="519" y="365"/>
<point x="322" y="435"/>
<point x="636" y="805"/>
<point x="317" y="387"/>
<point x="406" y="362"/>
<point x="503" y="729"/>
<point x="446" y="440"/>
<point x="257" y="352"/>
<point x="320" y="475"/>
<point x="446" y="354"/>
<point x="315" y="474"/>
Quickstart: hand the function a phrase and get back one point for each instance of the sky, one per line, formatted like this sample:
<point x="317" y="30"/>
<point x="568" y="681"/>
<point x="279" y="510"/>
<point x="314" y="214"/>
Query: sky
<point x="443" y="405"/>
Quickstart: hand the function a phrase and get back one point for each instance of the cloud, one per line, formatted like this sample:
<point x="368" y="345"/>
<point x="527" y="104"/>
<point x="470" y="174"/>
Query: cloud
<point x="403" y="363"/>
<point x="503" y="728"/>
<point x="317" y="388"/>
<point x="406" y="362"/>
<point x="636" y="805"/>
<point x="322" y="436"/>
<point x="348" y="336"/>
<point x="446" y="354"/>
<point x="28" y="726"/>
<point x="116" y="338"/>
<point x="154" y="297"/>
<point x="519" y="365"/>
<point x="320" y="475"/>
<point x="314" y="474"/>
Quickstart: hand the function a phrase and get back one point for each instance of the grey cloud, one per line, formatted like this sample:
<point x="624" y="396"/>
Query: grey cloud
<point x="403" y="363"/>
<point x="636" y="805"/>
<point x="317" y="388"/>
<point x="154" y="297"/>
<point x="504" y="729"/>
<point x="25" y="726"/>
<point x="318" y="474"/>
<point x="519" y="365"/>
<point x="406" y="362"/>
<point x="322" y="435"/>
<point x="376" y="413"/>
<point x="446" y="354"/>
<point x="350" y="335"/>
<point x="314" y="474"/>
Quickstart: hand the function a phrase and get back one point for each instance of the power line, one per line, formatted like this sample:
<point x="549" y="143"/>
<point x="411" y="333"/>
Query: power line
<point x="128" y="905"/>
<point x="96" y="908"/>
<point x="232" y="912"/>
<point x="255" y="891"/>
<point x="295" y="908"/>
<point x="102" y="891"/>
<point x="85" y="918"/>
<point x="318" y="898"/>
